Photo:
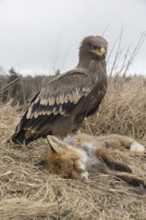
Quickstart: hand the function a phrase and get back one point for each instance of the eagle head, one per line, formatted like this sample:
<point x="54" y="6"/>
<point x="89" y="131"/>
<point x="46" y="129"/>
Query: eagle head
<point x="93" y="47"/>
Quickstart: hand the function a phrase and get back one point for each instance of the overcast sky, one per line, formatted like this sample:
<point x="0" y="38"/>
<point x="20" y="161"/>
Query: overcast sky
<point x="38" y="36"/>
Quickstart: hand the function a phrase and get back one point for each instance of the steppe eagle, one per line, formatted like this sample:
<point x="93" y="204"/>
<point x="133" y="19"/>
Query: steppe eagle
<point x="60" y="108"/>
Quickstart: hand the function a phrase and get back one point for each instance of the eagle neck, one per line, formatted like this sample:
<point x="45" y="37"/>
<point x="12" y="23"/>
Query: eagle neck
<point x="85" y="63"/>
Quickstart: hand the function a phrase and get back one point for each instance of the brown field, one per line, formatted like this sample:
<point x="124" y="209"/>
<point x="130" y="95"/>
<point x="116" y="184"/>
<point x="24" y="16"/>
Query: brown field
<point x="28" y="193"/>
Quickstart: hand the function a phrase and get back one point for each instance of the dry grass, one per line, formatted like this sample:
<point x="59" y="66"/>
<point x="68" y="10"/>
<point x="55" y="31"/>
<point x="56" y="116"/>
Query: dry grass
<point x="28" y="193"/>
<point x="123" y="109"/>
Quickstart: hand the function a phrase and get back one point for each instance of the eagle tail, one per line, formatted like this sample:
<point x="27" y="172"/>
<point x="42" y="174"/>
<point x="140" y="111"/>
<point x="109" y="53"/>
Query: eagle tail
<point x="22" y="134"/>
<point x="25" y="137"/>
<point x="18" y="138"/>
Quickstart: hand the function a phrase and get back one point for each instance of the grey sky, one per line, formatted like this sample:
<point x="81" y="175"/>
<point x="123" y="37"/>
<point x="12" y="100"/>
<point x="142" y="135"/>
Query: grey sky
<point x="37" y="36"/>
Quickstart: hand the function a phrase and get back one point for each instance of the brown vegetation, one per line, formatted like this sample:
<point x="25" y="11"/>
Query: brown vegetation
<point x="123" y="110"/>
<point x="28" y="193"/>
<point x="21" y="89"/>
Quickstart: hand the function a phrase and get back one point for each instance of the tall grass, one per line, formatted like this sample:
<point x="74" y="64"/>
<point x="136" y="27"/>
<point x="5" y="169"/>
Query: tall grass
<point x="123" y="109"/>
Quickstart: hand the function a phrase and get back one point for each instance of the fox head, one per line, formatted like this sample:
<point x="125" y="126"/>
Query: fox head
<point x="65" y="160"/>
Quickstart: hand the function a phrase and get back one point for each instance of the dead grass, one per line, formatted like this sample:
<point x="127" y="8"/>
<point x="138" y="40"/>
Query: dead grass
<point x="123" y="109"/>
<point x="28" y="193"/>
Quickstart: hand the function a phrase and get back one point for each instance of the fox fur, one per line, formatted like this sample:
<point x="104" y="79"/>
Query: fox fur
<point x="78" y="155"/>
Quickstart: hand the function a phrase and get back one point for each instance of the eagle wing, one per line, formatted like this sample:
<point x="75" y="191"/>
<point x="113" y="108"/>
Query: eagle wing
<point x="61" y="95"/>
<point x="59" y="98"/>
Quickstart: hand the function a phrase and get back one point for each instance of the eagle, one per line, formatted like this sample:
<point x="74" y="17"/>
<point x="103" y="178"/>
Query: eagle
<point x="60" y="108"/>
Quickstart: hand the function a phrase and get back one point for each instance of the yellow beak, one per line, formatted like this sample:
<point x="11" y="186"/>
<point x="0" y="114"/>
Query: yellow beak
<point x="99" y="52"/>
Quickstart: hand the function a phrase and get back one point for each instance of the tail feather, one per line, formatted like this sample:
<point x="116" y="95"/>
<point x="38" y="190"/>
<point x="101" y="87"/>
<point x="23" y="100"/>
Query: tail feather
<point x="18" y="138"/>
<point x="22" y="137"/>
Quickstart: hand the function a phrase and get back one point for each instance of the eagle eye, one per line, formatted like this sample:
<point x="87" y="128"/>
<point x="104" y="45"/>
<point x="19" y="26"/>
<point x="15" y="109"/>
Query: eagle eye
<point x="95" y="47"/>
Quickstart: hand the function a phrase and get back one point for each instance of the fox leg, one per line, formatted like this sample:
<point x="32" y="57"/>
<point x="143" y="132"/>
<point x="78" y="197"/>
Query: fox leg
<point x="123" y="143"/>
<point x="130" y="178"/>
<point x="118" y="169"/>
<point x="136" y="153"/>
<point x="127" y="177"/>
<point x="111" y="163"/>
<point x="134" y="148"/>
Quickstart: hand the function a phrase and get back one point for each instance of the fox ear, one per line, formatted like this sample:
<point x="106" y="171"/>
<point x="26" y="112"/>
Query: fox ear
<point x="56" y="145"/>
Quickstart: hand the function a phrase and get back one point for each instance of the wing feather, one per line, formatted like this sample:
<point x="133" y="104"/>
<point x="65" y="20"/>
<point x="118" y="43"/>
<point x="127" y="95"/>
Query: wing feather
<point x="62" y="95"/>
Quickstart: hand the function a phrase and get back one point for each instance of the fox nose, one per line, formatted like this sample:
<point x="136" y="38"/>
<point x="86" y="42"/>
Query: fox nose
<point x="85" y="177"/>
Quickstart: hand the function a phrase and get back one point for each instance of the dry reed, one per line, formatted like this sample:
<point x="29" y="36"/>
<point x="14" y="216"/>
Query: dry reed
<point x="28" y="193"/>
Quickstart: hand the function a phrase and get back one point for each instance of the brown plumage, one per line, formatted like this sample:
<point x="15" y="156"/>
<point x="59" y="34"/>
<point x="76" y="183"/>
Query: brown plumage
<point x="61" y="107"/>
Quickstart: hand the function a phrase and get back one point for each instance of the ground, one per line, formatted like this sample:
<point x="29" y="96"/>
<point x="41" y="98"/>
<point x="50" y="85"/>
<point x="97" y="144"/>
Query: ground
<point x="29" y="193"/>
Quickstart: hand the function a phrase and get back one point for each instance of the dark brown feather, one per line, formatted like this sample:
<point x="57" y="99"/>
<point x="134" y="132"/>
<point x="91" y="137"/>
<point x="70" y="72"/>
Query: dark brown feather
<point x="61" y="107"/>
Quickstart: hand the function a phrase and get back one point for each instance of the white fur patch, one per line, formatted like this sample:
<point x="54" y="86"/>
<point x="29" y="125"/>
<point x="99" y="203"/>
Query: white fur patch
<point x="135" y="146"/>
<point x="83" y="156"/>
<point x="85" y="177"/>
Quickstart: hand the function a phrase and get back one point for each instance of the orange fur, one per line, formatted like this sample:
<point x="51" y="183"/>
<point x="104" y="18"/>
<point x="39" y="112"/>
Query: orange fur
<point x="64" y="163"/>
<point x="75" y="161"/>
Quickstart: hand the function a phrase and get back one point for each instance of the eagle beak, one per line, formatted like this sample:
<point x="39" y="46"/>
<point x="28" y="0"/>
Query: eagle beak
<point x="100" y="52"/>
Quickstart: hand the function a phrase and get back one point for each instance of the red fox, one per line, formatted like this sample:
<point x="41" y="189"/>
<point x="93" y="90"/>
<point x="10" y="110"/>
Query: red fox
<point x="76" y="156"/>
